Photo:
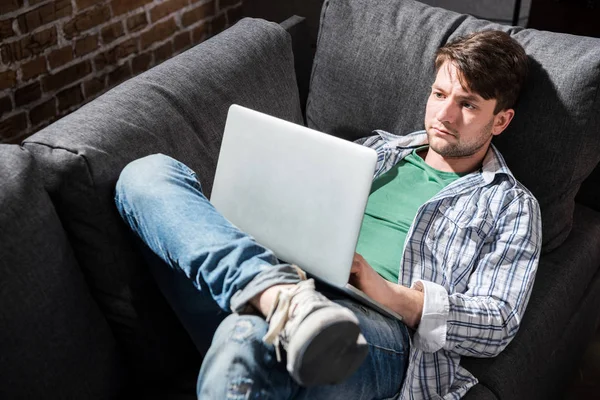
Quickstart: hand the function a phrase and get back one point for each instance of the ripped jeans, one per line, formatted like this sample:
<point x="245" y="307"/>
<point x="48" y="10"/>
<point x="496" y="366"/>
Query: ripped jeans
<point x="207" y="268"/>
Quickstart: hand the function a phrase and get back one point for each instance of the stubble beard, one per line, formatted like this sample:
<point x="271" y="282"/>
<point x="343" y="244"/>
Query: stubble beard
<point x="459" y="149"/>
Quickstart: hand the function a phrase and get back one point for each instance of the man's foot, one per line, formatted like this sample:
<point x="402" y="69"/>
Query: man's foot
<point x="322" y="339"/>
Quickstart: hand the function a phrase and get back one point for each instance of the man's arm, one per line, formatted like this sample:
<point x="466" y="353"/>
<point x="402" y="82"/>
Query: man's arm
<point x="483" y="320"/>
<point x="405" y="301"/>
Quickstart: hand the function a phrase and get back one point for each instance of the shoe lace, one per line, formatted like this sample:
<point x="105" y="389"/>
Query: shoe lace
<point x="282" y="312"/>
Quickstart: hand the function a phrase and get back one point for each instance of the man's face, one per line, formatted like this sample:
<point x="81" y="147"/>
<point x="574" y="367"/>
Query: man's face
<point x="459" y="123"/>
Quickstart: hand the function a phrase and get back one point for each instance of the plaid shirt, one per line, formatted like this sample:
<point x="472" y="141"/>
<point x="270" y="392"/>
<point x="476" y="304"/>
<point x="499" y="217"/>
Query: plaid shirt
<point x="475" y="248"/>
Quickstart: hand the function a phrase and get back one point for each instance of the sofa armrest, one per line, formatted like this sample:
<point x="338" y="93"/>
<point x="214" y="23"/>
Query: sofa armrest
<point x="303" y="55"/>
<point x="52" y="330"/>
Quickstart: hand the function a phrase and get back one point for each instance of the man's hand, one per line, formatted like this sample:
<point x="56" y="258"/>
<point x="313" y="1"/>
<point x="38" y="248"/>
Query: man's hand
<point x="406" y="302"/>
<point x="365" y="278"/>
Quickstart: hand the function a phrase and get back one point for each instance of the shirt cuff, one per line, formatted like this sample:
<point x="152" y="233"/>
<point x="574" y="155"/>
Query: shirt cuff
<point x="431" y="333"/>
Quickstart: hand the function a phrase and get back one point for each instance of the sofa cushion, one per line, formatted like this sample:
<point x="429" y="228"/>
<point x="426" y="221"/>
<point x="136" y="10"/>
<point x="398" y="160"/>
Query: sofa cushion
<point x="53" y="338"/>
<point x="178" y="108"/>
<point x="374" y="67"/>
<point x="563" y="276"/>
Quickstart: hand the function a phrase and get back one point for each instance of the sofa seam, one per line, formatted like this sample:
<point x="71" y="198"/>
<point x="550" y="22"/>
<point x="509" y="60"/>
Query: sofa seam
<point x="315" y="59"/>
<point x="90" y="177"/>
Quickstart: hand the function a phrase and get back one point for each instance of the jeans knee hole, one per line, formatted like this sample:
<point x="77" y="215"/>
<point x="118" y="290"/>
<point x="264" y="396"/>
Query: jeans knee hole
<point x="243" y="329"/>
<point x="240" y="389"/>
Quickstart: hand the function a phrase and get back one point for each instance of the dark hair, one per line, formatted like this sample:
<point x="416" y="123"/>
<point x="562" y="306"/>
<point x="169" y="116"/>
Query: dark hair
<point x="491" y="64"/>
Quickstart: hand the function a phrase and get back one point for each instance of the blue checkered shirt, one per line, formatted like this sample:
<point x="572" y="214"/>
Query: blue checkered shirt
<point x="475" y="248"/>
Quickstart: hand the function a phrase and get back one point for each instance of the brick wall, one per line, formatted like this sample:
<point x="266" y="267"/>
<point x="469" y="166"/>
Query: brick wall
<point x="57" y="55"/>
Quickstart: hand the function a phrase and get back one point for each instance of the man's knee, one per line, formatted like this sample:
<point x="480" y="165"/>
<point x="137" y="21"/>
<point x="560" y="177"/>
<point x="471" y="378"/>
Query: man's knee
<point x="239" y="337"/>
<point x="145" y="175"/>
<point x="242" y="329"/>
<point x="239" y="365"/>
<point x="142" y="171"/>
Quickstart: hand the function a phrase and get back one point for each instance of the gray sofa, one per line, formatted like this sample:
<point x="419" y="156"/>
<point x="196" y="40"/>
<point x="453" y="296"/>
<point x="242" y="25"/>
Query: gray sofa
<point x="80" y="315"/>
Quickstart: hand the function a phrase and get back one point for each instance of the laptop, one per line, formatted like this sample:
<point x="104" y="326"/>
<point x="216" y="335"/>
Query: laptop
<point x="297" y="191"/>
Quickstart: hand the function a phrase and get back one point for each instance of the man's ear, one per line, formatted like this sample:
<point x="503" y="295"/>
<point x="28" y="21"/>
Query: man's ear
<point x="501" y="120"/>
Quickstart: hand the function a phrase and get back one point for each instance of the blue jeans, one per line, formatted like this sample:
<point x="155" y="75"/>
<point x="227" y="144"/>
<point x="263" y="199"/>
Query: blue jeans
<point x="207" y="269"/>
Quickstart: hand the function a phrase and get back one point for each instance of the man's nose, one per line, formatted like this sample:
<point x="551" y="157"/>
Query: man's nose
<point x="447" y="112"/>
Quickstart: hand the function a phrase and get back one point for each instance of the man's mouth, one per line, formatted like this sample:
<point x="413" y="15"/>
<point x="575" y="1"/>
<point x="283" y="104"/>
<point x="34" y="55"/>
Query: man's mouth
<point x="442" y="132"/>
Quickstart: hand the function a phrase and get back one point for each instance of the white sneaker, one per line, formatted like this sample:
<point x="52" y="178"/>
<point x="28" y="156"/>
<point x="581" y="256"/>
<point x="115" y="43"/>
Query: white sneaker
<point x="322" y="339"/>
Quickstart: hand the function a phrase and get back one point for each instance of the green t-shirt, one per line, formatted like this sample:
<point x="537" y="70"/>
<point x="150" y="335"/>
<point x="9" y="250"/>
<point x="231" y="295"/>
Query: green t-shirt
<point x="393" y="203"/>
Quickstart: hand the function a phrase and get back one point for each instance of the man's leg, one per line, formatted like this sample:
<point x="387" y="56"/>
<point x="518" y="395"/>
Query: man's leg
<point x="239" y="365"/>
<point x="161" y="200"/>
<point x="197" y="311"/>
<point x="382" y="374"/>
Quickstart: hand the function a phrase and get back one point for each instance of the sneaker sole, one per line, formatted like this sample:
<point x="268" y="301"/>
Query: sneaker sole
<point x="330" y="353"/>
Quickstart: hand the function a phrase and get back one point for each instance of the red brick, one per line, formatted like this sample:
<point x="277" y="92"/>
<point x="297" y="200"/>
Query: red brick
<point x="112" y="32"/>
<point x="66" y="76"/>
<point x="122" y="6"/>
<point x="163" y="52"/>
<point x="43" y="112"/>
<point x="6" y="29"/>
<point x="60" y="57"/>
<point x="137" y="22"/>
<point x="86" y="45"/>
<point x="86" y="20"/>
<point x="30" y="45"/>
<point x="8" y="79"/>
<point x="166" y="8"/>
<point x="119" y="75"/>
<point x="141" y="63"/>
<point x="218" y="24"/>
<point x="28" y="94"/>
<point x="199" y="13"/>
<point x="5" y="105"/>
<point x="234" y="15"/>
<point x="182" y="41"/>
<point x="199" y="33"/>
<point x="7" y="6"/>
<point x="82" y="4"/>
<point x="13" y="126"/>
<point x="228" y="3"/>
<point x="44" y="14"/>
<point x="33" y="68"/>
<point x="158" y="33"/>
<point x="93" y="86"/>
<point x="69" y="97"/>
<point x="19" y="138"/>
<point x="116" y="53"/>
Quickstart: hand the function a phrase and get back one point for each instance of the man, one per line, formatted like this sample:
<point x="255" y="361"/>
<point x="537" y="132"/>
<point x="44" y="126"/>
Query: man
<point x="450" y="241"/>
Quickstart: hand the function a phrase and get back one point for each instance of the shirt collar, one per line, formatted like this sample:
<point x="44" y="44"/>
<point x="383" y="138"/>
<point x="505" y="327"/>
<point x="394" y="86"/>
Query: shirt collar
<point x="493" y="162"/>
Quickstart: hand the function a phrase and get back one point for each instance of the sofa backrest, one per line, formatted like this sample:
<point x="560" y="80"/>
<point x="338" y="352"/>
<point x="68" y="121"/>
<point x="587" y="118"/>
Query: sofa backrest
<point x="374" y="67"/>
<point x="53" y="337"/>
<point x="178" y="108"/>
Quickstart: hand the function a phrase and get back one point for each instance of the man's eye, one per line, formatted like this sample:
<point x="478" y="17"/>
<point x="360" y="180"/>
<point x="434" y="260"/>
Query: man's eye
<point x="438" y="95"/>
<point x="468" y="106"/>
